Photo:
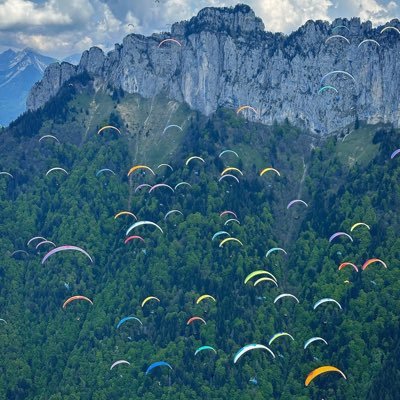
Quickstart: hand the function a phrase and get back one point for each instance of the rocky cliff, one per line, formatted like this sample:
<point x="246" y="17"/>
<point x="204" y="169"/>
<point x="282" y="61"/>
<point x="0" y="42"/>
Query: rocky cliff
<point x="226" y="58"/>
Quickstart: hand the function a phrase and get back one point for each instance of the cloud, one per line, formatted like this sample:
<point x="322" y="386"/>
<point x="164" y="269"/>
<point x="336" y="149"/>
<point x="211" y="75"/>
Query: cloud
<point x="287" y="15"/>
<point x="375" y="11"/>
<point x="63" y="27"/>
<point x="31" y="16"/>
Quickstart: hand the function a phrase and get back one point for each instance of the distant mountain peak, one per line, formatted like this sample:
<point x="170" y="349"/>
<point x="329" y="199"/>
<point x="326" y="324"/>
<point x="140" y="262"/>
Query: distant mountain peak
<point x="233" y="20"/>
<point x="9" y="52"/>
<point x="19" y="70"/>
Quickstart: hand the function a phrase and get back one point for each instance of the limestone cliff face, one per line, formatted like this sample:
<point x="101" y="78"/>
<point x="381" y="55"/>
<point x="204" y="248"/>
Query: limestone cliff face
<point x="228" y="59"/>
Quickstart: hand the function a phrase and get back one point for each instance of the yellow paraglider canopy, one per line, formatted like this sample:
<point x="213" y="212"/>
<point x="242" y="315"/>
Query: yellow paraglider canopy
<point x="203" y="297"/>
<point x="322" y="370"/>
<point x="269" y="169"/>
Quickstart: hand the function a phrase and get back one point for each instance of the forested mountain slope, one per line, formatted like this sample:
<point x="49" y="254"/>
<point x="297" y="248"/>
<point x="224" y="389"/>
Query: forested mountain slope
<point x="55" y="353"/>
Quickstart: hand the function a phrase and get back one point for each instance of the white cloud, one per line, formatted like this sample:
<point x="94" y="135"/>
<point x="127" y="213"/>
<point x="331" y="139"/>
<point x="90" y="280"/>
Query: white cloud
<point x="288" y="15"/>
<point x="375" y="11"/>
<point x="28" y="15"/>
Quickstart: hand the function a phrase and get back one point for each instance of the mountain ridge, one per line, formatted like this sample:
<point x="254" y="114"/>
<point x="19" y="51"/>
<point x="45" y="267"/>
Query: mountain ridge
<point x="227" y="59"/>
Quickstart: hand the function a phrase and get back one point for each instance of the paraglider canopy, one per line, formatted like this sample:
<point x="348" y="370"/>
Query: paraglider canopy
<point x="123" y="320"/>
<point x="202" y="348"/>
<point x="119" y="362"/>
<point x="249" y="347"/>
<point x="157" y="364"/>
<point x="321" y="370"/>
<point x="108" y="127"/>
<point x="73" y="298"/>
<point x="205" y="296"/>
<point x="64" y="248"/>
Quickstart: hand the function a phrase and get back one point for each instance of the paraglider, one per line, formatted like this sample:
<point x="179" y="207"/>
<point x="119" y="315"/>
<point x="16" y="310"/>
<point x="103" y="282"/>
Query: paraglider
<point x="136" y="167"/>
<point x="194" y="158"/>
<point x="219" y="233"/>
<point x="390" y="27"/>
<point x="338" y="72"/>
<point x="74" y="298"/>
<point x="337" y="37"/>
<point x="48" y="137"/>
<point x="170" y="40"/>
<point x="45" y="242"/>
<point x="359" y="224"/>
<point x="100" y="171"/>
<point x="172" y="212"/>
<point x="249" y="347"/>
<point x="202" y="348"/>
<point x="182" y="184"/>
<point x="6" y="173"/>
<point x="281" y="296"/>
<point x="394" y="154"/>
<point x="160" y="185"/>
<point x="371" y="261"/>
<point x="342" y="265"/>
<point x="231" y="169"/>
<point x="273" y="250"/>
<point x="265" y="279"/>
<point x="56" y="169"/>
<point x="190" y="320"/>
<point x="64" y="248"/>
<point x="327" y="87"/>
<point x="337" y="234"/>
<point x="127" y="240"/>
<point x="35" y="238"/>
<point x="125" y="213"/>
<point x="140" y="223"/>
<point x="314" y="339"/>
<point x="278" y="335"/>
<point x="321" y="370"/>
<point x="340" y="27"/>
<point x="228" y="212"/>
<point x="296" y="201"/>
<point x="242" y="108"/>
<point x="369" y="41"/>
<point x="228" y="176"/>
<point x="165" y="165"/>
<point x="123" y="320"/>
<point x="228" y="151"/>
<point x="148" y="299"/>
<point x="258" y="272"/>
<point x="108" y="127"/>
<point x="172" y="126"/>
<point x="231" y="220"/>
<point x="157" y="364"/>
<point x="18" y="252"/>
<point x="269" y="169"/>
<point x="142" y="186"/>
<point x="326" y="300"/>
<point x="205" y="296"/>
<point x="229" y="239"/>
<point x="118" y="363"/>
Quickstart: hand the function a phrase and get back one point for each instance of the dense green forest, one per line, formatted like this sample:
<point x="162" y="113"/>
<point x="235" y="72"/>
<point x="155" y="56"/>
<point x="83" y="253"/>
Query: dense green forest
<point x="53" y="353"/>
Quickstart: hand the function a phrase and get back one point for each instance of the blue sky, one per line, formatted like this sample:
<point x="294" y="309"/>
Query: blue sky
<point x="63" y="27"/>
